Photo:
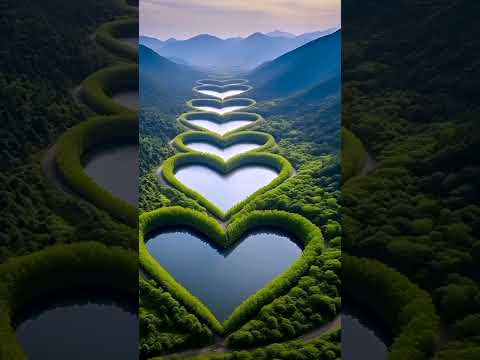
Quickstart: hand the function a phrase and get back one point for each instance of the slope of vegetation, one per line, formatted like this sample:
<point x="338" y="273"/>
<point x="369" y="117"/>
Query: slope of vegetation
<point x="416" y="108"/>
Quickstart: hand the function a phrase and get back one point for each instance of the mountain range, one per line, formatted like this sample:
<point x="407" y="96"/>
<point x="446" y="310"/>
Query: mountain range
<point x="208" y="52"/>
<point x="164" y="83"/>
<point x="314" y="65"/>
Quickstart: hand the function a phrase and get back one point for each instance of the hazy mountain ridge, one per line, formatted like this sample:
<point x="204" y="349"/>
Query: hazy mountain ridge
<point x="164" y="82"/>
<point x="209" y="51"/>
<point x="314" y="65"/>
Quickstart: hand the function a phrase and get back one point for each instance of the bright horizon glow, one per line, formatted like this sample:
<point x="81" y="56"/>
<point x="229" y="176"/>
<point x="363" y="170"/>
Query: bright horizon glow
<point x="183" y="19"/>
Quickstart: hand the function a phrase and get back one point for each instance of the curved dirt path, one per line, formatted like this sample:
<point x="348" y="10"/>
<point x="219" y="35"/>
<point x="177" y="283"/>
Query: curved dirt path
<point x="220" y="345"/>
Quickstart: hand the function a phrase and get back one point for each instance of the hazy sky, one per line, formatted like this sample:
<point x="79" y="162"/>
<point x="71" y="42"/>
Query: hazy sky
<point x="226" y="18"/>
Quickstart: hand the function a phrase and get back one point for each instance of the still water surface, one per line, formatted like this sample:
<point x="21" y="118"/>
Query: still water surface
<point x="222" y="95"/>
<point x="362" y="338"/>
<point x="223" y="280"/>
<point x="225" y="153"/>
<point x="220" y="111"/>
<point x="80" y="329"/>
<point x="115" y="168"/>
<point x="225" y="190"/>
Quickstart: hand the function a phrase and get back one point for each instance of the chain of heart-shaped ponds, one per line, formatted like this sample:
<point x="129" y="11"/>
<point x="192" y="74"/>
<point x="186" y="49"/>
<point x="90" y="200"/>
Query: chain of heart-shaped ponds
<point x="226" y="229"/>
<point x="114" y="121"/>
<point x="230" y="124"/>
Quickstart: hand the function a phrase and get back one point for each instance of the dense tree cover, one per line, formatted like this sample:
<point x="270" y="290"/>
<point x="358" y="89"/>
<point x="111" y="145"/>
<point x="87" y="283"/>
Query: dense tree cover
<point x="165" y="325"/>
<point x="415" y="107"/>
<point x="326" y="347"/>
<point x="313" y="301"/>
<point x="50" y="51"/>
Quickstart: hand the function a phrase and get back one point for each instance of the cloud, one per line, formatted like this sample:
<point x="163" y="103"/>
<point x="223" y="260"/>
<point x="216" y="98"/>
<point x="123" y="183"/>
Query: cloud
<point x="184" y="18"/>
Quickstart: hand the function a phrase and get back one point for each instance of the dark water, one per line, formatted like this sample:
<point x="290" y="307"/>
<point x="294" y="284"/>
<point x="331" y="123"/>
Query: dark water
<point x="80" y="330"/>
<point x="362" y="337"/>
<point x="220" y="280"/>
<point x="116" y="169"/>
<point x="226" y="190"/>
<point x="220" y="128"/>
<point x="129" y="99"/>
<point x="224" y="153"/>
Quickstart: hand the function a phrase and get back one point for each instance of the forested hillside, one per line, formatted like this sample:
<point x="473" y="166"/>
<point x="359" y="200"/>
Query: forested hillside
<point x="408" y="89"/>
<point x="315" y="64"/>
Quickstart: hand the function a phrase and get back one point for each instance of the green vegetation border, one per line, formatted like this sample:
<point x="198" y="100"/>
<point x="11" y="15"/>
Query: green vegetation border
<point x="222" y="102"/>
<point x="354" y="155"/>
<point x="216" y="163"/>
<point x="198" y="88"/>
<point x="74" y="143"/>
<point x="124" y="5"/>
<point x="222" y="82"/>
<point x="403" y="306"/>
<point x="266" y="141"/>
<point x="25" y="280"/>
<point x="185" y="119"/>
<point x="302" y="229"/>
<point x="108" y="36"/>
<point x="95" y="88"/>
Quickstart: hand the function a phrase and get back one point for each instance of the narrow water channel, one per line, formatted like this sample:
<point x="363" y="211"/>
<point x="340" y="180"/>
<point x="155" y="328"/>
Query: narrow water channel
<point x="222" y="280"/>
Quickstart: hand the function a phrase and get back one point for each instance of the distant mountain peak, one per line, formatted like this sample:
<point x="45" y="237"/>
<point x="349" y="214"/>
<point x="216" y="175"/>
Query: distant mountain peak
<point x="278" y="33"/>
<point x="205" y="37"/>
<point x="257" y="35"/>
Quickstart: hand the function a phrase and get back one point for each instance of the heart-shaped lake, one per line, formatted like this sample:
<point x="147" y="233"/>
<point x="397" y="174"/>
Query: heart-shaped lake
<point x="221" y="107"/>
<point x="220" y="128"/>
<point x="224" y="152"/>
<point x="222" y="92"/>
<point x="222" y="281"/>
<point x="225" y="190"/>
<point x="115" y="168"/>
<point x="221" y="95"/>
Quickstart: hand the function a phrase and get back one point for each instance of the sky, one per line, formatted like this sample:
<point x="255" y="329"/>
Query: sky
<point x="183" y="19"/>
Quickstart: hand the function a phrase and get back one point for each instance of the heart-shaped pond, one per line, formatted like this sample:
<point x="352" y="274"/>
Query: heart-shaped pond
<point x="80" y="328"/>
<point x="222" y="92"/>
<point x="220" y="128"/>
<point x="115" y="168"/>
<point x="224" y="152"/>
<point x="223" y="280"/>
<point x="220" y="107"/>
<point x="225" y="190"/>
